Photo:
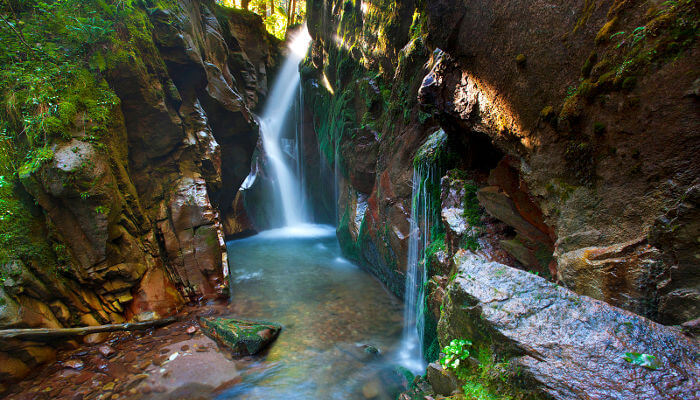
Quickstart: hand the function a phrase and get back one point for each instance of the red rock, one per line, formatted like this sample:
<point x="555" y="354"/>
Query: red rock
<point x="107" y="351"/>
<point x="74" y="364"/>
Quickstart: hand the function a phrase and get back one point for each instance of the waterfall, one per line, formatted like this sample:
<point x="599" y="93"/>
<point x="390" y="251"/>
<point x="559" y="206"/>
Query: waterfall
<point x="411" y="355"/>
<point x="272" y="126"/>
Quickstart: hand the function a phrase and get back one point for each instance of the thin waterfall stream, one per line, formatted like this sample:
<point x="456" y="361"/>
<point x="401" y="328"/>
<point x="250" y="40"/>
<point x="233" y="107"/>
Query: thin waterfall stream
<point x="411" y="354"/>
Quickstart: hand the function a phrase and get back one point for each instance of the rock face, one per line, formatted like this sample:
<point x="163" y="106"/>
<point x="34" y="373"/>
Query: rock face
<point x="242" y="337"/>
<point x="565" y="344"/>
<point x="135" y="218"/>
<point x="564" y="121"/>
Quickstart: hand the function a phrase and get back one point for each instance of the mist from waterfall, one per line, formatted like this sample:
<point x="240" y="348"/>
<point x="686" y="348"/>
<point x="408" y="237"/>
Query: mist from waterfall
<point x="272" y="126"/>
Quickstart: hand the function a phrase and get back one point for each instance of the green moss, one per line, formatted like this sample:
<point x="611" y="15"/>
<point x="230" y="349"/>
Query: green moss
<point x="488" y="380"/>
<point x="547" y="113"/>
<point x="433" y="151"/>
<point x="607" y="30"/>
<point x="21" y="231"/>
<point x="588" y="65"/>
<point x="629" y="82"/>
<point x="571" y="110"/>
<point x="588" y="7"/>
<point x="598" y="128"/>
<point x="348" y="246"/>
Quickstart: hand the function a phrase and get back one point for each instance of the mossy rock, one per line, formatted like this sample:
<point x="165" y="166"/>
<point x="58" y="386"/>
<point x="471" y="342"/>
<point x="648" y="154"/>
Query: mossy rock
<point x="243" y="337"/>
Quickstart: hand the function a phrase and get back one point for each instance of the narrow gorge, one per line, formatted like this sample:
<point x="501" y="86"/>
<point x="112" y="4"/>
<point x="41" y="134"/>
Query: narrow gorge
<point x="323" y="199"/>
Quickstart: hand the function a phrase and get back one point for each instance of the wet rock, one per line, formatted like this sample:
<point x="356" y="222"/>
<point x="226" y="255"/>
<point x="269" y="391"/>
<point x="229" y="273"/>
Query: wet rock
<point x="371" y="389"/>
<point x="520" y="315"/>
<point x="74" y="364"/>
<point x="191" y="330"/>
<point x="156" y="295"/>
<point x="107" y="351"/>
<point x="443" y="381"/>
<point x="242" y="337"/>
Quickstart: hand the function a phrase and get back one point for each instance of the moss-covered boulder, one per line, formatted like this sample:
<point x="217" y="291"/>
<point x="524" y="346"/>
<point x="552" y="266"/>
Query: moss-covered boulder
<point x="243" y="337"/>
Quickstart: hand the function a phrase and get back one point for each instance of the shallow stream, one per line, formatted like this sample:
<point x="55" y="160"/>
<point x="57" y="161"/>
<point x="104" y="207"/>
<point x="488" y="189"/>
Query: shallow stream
<point x="331" y="311"/>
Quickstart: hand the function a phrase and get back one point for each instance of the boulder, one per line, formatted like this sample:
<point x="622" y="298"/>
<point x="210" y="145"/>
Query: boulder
<point x="242" y="337"/>
<point x="622" y="274"/>
<point x="566" y="345"/>
<point x="443" y="381"/>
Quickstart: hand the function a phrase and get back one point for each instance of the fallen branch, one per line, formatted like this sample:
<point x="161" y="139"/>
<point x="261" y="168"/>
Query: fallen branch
<point x="44" y="334"/>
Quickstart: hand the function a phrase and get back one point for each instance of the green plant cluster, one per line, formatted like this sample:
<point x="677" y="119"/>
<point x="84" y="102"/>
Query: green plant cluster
<point x="480" y="383"/>
<point x="643" y="360"/>
<point x="455" y="353"/>
<point x="21" y="234"/>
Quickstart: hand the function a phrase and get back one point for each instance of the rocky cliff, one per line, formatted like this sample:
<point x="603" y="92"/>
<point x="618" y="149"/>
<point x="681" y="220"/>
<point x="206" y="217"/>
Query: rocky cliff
<point x="135" y="213"/>
<point x="577" y="121"/>
<point x="571" y="130"/>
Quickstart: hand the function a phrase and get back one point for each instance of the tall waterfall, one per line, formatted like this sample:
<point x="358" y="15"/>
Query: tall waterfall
<point x="416" y="273"/>
<point x="272" y="126"/>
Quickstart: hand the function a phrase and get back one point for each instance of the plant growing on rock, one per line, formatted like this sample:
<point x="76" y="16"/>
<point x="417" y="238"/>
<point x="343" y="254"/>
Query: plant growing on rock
<point x="455" y="353"/>
<point x="478" y="382"/>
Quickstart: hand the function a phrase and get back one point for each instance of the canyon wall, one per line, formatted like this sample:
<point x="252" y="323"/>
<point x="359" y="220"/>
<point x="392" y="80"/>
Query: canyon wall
<point x="135" y="215"/>
<point x="558" y="138"/>
<point x="577" y="121"/>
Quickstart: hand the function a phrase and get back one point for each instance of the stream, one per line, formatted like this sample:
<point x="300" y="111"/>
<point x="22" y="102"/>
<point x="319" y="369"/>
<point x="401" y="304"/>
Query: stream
<point x="331" y="310"/>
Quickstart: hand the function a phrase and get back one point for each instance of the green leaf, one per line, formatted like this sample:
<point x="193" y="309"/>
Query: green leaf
<point x="643" y="360"/>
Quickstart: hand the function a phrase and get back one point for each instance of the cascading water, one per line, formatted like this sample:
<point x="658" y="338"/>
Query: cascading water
<point x="411" y="355"/>
<point x="272" y="126"/>
<point x="425" y="175"/>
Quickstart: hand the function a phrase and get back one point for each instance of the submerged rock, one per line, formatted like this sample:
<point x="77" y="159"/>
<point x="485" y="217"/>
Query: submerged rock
<point x="243" y="337"/>
<point x="566" y="344"/>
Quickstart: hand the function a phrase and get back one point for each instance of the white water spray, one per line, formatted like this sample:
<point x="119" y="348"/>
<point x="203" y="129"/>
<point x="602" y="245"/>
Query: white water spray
<point x="272" y="124"/>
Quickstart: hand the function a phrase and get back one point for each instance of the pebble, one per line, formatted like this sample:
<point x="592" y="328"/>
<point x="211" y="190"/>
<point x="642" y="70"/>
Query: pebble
<point x="371" y="389"/>
<point x="107" y="351"/>
<point x="191" y="330"/>
<point x="74" y="364"/>
<point x="159" y="389"/>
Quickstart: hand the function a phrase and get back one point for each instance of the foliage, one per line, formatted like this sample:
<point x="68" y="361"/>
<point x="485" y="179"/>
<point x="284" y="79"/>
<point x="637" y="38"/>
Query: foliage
<point x="437" y="244"/>
<point x="55" y="56"/>
<point x="20" y="232"/>
<point x="275" y="13"/>
<point x="485" y="381"/>
<point x="455" y="353"/>
<point x="643" y="360"/>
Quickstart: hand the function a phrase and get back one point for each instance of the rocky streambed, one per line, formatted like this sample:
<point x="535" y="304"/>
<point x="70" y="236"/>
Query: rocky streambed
<point x="341" y="329"/>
